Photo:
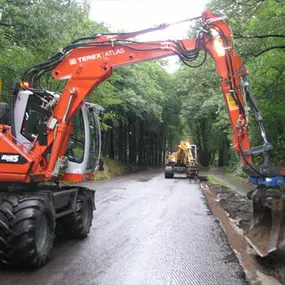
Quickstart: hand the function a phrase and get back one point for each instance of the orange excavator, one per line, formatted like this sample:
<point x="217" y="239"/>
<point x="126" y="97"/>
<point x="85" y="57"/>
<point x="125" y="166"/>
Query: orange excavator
<point x="184" y="161"/>
<point x="55" y="137"/>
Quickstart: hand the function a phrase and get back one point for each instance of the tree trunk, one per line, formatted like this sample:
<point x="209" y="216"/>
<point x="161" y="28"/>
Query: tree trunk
<point x="121" y="142"/>
<point x="141" y="144"/>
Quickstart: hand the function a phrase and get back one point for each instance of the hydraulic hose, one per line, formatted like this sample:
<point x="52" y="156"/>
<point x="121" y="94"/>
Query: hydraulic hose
<point x="14" y="88"/>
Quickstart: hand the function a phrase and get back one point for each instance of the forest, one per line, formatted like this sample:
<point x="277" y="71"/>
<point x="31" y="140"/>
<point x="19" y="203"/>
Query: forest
<point x="147" y="109"/>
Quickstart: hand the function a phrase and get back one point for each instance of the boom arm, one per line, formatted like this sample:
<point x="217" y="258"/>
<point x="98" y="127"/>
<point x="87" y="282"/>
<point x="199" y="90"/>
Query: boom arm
<point x="89" y="61"/>
<point x="184" y="153"/>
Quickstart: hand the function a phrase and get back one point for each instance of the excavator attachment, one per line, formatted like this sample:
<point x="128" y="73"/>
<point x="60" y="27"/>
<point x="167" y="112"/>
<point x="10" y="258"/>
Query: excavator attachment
<point x="267" y="231"/>
<point x="203" y="178"/>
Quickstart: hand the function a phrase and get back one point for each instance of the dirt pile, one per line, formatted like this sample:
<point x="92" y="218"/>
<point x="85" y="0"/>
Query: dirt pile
<point x="237" y="206"/>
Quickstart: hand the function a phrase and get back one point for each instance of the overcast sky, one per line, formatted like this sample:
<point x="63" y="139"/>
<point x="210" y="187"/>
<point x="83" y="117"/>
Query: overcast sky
<point x="132" y="15"/>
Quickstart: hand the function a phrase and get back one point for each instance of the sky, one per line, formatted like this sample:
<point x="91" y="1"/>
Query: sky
<point x="133" y="15"/>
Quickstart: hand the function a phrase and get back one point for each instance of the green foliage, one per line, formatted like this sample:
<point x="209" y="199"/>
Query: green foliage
<point x="148" y="111"/>
<point x="140" y="90"/>
<point x="259" y="28"/>
<point x="32" y="31"/>
<point x="146" y="117"/>
<point x="113" y="168"/>
<point x="214" y="180"/>
<point x="139" y="103"/>
<point x="203" y="108"/>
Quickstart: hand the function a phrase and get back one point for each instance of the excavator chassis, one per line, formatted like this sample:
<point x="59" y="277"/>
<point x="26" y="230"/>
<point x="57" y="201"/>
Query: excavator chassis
<point x="31" y="218"/>
<point x="170" y="170"/>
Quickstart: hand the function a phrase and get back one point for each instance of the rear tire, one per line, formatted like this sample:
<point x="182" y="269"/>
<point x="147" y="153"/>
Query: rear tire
<point x="78" y="224"/>
<point x="168" y="173"/>
<point x="29" y="234"/>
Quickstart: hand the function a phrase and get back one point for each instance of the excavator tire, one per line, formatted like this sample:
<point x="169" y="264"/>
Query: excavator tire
<point x="77" y="225"/>
<point x="5" y="213"/>
<point x="168" y="173"/>
<point x="27" y="230"/>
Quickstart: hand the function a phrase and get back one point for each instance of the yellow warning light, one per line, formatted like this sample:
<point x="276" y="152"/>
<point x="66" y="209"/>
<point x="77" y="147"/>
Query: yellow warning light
<point x="25" y="84"/>
<point x="219" y="48"/>
<point x="218" y="42"/>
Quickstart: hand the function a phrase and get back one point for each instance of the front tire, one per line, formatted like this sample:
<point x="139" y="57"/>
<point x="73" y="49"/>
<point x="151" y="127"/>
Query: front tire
<point x="77" y="225"/>
<point x="29" y="236"/>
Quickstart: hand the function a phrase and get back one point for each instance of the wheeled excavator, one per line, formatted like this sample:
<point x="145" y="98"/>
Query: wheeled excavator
<point x="184" y="161"/>
<point x="54" y="137"/>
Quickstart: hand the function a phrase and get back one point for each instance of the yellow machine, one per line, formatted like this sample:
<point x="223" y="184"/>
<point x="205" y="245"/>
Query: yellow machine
<point x="184" y="161"/>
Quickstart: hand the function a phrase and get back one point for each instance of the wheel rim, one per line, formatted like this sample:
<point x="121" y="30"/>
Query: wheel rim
<point x="41" y="233"/>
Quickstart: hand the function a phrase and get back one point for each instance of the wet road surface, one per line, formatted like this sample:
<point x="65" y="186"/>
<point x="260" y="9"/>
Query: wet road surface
<point x="147" y="230"/>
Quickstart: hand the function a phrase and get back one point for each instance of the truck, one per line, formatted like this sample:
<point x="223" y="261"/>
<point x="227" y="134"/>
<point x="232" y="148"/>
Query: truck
<point x="54" y="137"/>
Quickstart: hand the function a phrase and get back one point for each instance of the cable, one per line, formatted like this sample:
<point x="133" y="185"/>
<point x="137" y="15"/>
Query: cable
<point x="35" y="72"/>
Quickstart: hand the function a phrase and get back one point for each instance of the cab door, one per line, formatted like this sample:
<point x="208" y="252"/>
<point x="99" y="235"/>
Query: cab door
<point x="84" y="148"/>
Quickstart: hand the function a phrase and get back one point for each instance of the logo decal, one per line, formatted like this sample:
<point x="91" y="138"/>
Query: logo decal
<point x="72" y="61"/>
<point x="95" y="56"/>
<point x="12" y="158"/>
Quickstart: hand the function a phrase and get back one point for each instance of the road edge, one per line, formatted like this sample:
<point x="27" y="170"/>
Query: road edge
<point x="255" y="274"/>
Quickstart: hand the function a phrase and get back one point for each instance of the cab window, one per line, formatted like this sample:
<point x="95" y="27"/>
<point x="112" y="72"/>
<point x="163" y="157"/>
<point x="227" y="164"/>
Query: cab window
<point x="75" y="149"/>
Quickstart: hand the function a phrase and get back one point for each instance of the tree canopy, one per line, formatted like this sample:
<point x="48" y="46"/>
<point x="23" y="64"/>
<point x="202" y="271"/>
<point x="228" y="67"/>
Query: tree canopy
<point x="149" y="110"/>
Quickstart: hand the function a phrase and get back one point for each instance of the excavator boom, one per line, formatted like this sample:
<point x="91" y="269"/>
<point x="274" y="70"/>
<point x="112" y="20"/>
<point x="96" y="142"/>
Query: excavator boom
<point x="89" y="61"/>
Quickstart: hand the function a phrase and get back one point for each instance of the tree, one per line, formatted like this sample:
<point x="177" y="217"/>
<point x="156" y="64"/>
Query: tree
<point x="202" y="109"/>
<point x="32" y="31"/>
<point x="143" y="120"/>
<point x="259" y="29"/>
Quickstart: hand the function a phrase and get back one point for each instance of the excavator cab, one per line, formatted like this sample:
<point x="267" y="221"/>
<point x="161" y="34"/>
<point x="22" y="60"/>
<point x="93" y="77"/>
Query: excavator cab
<point x="172" y="158"/>
<point x="84" y="147"/>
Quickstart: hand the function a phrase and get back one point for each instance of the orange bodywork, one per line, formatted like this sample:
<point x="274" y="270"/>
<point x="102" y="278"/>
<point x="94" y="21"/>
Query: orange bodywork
<point x="86" y="67"/>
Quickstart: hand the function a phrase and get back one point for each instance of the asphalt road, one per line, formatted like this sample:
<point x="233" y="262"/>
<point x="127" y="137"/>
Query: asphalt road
<point x="147" y="230"/>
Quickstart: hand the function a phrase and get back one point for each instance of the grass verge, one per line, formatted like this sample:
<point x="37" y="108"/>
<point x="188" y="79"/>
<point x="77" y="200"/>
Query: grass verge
<point x="114" y="168"/>
<point x="214" y="180"/>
